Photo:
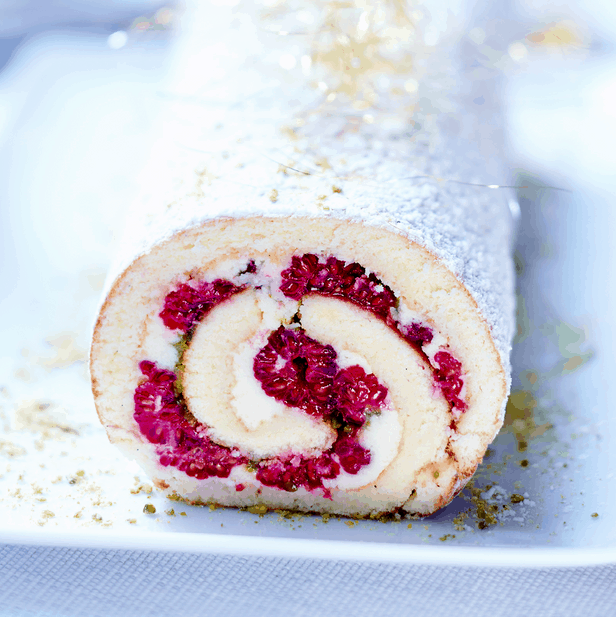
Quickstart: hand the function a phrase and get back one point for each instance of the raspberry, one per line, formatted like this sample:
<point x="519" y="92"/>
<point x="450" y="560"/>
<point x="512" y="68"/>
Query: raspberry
<point x="416" y="333"/>
<point x="161" y="420"/>
<point x="448" y="377"/>
<point x="297" y="370"/>
<point x="356" y="392"/>
<point x="337" y="278"/>
<point x="352" y="455"/>
<point x="187" y="305"/>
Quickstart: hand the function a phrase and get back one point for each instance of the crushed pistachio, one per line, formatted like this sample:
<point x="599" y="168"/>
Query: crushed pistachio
<point x="181" y="345"/>
<point x="258" y="509"/>
<point x="183" y="514"/>
<point x="595" y="514"/>
<point x="10" y="449"/>
<point x="447" y="536"/>
<point x="170" y="512"/>
<point x="458" y="521"/>
<point x="178" y="386"/>
<point x="436" y="474"/>
<point x="409" y="526"/>
<point x="80" y="473"/>
<point x="516" y="498"/>
<point x="349" y="523"/>
<point x="336" y="189"/>
<point x="483" y="510"/>
<point x="149" y="509"/>
<point x="142" y="488"/>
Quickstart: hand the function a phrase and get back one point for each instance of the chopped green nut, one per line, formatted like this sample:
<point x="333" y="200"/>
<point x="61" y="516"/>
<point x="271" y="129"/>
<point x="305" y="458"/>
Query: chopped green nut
<point x="258" y="509"/>
<point x="516" y="498"/>
<point x="149" y="509"/>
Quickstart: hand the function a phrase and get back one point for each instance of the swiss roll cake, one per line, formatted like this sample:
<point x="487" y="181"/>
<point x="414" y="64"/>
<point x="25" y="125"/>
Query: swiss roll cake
<point x="304" y="315"/>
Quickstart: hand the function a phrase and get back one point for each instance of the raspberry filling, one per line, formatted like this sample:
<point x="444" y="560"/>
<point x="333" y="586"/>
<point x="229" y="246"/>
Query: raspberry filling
<point x="162" y="420"/>
<point x="337" y="278"/>
<point x="293" y="369"/>
<point x="187" y="305"/>
<point x="301" y="372"/>
<point x="333" y="277"/>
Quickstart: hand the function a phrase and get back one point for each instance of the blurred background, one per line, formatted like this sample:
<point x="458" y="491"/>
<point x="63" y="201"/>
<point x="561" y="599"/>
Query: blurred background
<point x="78" y="99"/>
<point x="81" y="86"/>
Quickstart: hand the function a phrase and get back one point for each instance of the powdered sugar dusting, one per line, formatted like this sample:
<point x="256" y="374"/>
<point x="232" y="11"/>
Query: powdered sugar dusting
<point x="234" y="147"/>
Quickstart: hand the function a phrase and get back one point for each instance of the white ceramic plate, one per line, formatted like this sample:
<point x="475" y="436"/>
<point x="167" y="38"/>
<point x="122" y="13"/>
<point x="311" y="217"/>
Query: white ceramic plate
<point x="62" y="483"/>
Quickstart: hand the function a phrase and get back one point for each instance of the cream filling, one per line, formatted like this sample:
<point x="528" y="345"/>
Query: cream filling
<point x="248" y="400"/>
<point x="381" y="435"/>
<point x="158" y="343"/>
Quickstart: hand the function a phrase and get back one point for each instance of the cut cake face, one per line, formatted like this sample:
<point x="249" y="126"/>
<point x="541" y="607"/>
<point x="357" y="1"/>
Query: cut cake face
<point x="302" y="363"/>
